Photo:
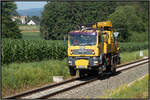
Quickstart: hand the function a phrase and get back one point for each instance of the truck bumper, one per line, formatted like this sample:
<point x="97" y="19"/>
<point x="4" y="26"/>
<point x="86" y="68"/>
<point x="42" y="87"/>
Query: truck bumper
<point x="84" y="62"/>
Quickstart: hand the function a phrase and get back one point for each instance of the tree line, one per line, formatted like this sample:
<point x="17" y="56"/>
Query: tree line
<point x="130" y="19"/>
<point x="58" y="18"/>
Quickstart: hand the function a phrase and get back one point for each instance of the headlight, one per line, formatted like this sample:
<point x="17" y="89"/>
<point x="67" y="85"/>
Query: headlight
<point x="70" y="62"/>
<point x="93" y="52"/>
<point x="95" y="62"/>
<point x="71" y="52"/>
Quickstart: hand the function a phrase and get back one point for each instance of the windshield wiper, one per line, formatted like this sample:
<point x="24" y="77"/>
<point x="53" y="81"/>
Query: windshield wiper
<point x="83" y="44"/>
<point x="91" y="44"/>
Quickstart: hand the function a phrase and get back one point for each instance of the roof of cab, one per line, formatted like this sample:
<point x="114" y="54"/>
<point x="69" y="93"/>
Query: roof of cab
<point x="77" y="31"/>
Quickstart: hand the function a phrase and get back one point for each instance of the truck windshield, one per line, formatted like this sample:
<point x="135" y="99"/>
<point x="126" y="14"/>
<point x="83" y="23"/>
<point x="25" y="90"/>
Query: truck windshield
<point x="106" y="28"/>
<point x="82" y="39"/>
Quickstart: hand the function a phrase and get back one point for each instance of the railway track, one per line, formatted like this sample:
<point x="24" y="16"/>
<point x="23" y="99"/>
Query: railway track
<point x="53" y="89"/>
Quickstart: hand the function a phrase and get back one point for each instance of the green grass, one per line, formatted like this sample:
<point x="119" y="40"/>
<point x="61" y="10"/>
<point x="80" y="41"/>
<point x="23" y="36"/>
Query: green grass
<point x="17" y="77"/>
<point x="139" y="89"/>
<point x="30" y="32"/>
<point x="31" y="36"/>
<point x="29" y="27"/>
<point x="131" y="56"/>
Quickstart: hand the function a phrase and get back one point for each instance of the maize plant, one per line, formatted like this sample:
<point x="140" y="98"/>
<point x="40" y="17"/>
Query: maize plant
<point x="19" y="50"/>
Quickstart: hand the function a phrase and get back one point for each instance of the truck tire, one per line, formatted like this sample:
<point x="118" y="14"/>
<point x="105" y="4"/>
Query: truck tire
<point x="113" y="69"/>
<point x="118" y="60"/>
<point x="108" y="69"/>
<point x="100" y="73"/>
<point x="82" y="73"/>
<point x="72" y="71"/>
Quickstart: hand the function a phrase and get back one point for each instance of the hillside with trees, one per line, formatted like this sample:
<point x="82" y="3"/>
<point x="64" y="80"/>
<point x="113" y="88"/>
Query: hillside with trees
<point x="130" y="19"/>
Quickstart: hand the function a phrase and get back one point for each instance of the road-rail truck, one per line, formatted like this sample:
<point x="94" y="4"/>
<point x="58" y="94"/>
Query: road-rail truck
<point x="93" y="49"/>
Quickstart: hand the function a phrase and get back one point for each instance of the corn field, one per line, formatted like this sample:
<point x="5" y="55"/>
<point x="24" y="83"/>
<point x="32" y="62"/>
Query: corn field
<point x="17" y="50"/>
<point x="31" y="50"/>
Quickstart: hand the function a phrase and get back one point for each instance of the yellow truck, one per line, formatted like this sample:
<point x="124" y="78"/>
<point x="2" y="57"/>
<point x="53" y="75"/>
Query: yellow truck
<point x="93" y="49"/>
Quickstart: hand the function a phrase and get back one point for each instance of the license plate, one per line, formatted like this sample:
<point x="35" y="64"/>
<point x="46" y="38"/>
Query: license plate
<point x="81" y="66"/>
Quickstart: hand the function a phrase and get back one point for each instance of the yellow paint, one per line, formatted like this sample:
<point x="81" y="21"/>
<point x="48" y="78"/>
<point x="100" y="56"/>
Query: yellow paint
<point x="109" y="44"/>
<point x="102" y="24"/>
<point x="96" y="50"/>
<point x="82" y="62"/>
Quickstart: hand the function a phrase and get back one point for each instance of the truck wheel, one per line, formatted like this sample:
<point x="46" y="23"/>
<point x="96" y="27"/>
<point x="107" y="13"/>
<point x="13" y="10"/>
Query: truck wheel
<point x="100" y="73"/>
<point x="113" y="69"/>
<point x="91" y="72"/>
<point x="72" y="71"/>
<point x="81" y="73"/>
<point x="108" y="68"/>
<point x="118" y="60"/>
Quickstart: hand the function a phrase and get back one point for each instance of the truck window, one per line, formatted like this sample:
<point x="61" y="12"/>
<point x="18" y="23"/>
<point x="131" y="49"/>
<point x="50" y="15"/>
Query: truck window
<point x="106" y="28"/>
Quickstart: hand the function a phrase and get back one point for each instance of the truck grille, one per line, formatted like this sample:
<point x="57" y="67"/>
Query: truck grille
<point x="82" y="51"/>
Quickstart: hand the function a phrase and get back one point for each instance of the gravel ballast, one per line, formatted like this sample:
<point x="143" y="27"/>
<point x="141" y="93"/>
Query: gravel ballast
<point x="98" y="88"/>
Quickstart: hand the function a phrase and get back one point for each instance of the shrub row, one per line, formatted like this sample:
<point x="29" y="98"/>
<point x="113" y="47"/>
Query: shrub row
<point x="17" y="50"/>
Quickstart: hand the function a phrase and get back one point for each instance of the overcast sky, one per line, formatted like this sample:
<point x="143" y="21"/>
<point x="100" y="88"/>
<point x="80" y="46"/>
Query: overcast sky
<point x="27" y="5"/>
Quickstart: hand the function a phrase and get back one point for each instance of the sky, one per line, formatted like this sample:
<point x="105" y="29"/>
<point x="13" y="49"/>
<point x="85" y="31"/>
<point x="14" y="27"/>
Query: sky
<point x="28" y="4"/>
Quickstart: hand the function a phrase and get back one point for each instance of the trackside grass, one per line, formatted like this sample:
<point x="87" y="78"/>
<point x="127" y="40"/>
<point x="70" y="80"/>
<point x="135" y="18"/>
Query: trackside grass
<point x="17" y="77"/>
<point x="139" y="89"/>
<point x="131" y="56"/>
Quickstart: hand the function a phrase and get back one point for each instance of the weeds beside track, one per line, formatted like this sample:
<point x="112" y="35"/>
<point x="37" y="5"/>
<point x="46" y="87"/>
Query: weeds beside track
<point x="133" y="64"/>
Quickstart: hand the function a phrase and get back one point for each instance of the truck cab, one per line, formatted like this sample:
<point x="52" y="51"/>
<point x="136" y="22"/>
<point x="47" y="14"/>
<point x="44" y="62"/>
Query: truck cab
<point x="88" y="47"/>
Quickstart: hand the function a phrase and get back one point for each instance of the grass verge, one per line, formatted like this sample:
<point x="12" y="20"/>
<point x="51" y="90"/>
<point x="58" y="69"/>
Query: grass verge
<point x="29" y="27"/>
<point x="132" y="56"/>
<point x="139" y="89"/>
<point x="31" y="35"/>
<point x="17" y="77"/>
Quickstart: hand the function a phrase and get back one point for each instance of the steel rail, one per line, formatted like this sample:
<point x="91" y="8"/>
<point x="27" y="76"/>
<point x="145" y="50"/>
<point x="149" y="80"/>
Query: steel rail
<point x="92" y="80"/>
<point x="68" y="81"/>
<point x="121" y="65"/>
<point x="40" y="89"/>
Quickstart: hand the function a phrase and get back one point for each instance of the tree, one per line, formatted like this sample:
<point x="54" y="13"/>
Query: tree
<point x="130" y="21"/>
<point x="37" y="18"/>
<point x="58" y="18"/>
<point x="9" y="28"/>
<point x="18" y="21"/>
<point x="27" y="19"/>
